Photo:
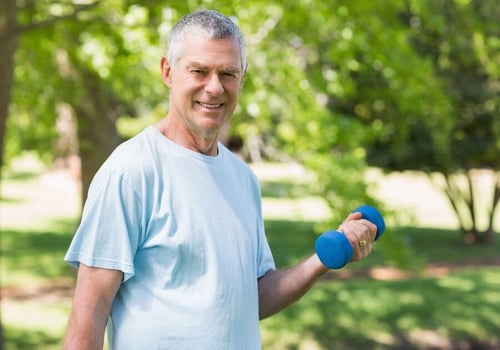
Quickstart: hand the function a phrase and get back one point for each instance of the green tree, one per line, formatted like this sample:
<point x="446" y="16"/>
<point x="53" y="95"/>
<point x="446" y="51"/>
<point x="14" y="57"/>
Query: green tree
<point x="348" y="64"/>
<point x="300" y="85"/>
<point x="313" y="89"/>
<point x="93" y="66"/>
<point x="18" y="19"/>
<point x="430" y="101"/>
<point x="101" y="77"/>
<point x="459" y="42"/>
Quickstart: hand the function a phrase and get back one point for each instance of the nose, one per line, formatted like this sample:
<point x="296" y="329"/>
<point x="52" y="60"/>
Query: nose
<point x="214" y="85"/>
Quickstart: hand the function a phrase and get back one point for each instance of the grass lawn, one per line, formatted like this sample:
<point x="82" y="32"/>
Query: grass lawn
<point x="453" y="304"/>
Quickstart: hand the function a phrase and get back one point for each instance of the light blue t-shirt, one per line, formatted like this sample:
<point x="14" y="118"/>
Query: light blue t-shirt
<point x="187" y="231"/>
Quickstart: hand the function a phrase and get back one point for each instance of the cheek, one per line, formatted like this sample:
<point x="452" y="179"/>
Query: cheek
<point x="234" y="90"/>
<point x="182" y="91"/>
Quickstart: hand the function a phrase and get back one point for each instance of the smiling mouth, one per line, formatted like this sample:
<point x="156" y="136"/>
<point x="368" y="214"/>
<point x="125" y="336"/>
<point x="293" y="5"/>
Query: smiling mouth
<point x="210" y="106"/>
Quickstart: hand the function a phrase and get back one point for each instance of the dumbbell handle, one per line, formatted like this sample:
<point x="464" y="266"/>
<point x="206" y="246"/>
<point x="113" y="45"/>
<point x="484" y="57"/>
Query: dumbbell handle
<point x="334" y="249"/>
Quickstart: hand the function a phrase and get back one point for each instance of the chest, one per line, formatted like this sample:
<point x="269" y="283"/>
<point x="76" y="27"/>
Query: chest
<point x="204" y="220"/>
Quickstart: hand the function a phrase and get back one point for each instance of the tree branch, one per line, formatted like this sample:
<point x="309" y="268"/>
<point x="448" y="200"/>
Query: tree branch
<point x="452" y="194"/>
<point x="454" y="197"/>
<point x="471" y="202"/>
<point x="50" y="21"/>
<point x="496" y="200"/>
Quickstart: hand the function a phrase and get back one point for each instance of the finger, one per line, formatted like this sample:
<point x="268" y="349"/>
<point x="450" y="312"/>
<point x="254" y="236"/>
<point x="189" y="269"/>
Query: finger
<point x="361" y="250"/>
<point x="371" y="227"/>
<point x="359" y="235"/>
<point x="350" y="217"/>
<point x="353" y="216"/>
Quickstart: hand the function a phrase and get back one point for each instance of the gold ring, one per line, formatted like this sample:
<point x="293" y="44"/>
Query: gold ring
<point x="362" y="243"/>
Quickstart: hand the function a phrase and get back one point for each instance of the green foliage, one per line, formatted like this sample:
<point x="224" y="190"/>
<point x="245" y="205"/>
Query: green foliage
<point x="32" y="125"/>
<point x="331" y="84"/>
<point x="121" y="47"/>
<point x="458" y="41"/>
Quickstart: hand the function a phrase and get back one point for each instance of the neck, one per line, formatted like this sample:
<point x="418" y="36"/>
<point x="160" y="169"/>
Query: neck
<point x="204" y="144"/>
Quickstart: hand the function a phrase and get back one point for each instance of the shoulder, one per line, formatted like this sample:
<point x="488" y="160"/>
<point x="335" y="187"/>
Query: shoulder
<point x="133" y="159"/>
<point x="239" y="165"/>
<point x="233" y="158"/>
<point x="133" y="150"/>
<point x="137" y="153"/>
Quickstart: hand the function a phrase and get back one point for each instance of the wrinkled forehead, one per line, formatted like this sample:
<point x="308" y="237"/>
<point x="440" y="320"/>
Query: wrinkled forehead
<point x="205" y="51"/>
<point x="206" y="48"/>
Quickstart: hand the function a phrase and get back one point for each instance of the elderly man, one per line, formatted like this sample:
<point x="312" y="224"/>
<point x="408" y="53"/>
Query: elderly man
<point x="171" y="250"/>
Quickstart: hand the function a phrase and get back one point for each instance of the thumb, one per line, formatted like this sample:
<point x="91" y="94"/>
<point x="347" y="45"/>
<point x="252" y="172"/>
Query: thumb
<point x="353" y="216"/>
<point x="350" y="217"/>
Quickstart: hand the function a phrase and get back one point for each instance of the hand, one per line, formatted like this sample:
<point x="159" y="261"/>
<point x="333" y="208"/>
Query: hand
<point x="360" y="233"/>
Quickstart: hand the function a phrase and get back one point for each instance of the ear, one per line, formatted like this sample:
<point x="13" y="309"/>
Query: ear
<point x="166" y="71"/>
<point x="243" y="77"/>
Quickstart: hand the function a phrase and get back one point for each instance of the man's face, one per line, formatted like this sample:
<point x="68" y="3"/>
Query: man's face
<point x="204" y="83"/>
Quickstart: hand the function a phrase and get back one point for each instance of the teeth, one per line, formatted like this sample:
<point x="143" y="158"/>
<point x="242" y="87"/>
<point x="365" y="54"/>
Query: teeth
<point x="209" y="106"/>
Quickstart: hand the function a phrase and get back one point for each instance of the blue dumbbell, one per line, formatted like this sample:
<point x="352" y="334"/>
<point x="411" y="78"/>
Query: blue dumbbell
<point x="334" y="249"/>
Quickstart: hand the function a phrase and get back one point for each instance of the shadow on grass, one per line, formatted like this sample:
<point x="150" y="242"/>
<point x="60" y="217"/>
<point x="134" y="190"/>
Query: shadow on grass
<point x="291" y="241"/>
<point x="459" y="311"/>
<point x="20" y="175"/>
<point x="22" y="339"/>
<point x="284" y="189"/>
<point x="33" y="254"/>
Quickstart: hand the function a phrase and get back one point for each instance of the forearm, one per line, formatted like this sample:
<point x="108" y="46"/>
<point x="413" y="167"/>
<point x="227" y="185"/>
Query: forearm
<point x="85" y="331"/>
<point x="94" y="294"/>
<point x="280" y="288"/>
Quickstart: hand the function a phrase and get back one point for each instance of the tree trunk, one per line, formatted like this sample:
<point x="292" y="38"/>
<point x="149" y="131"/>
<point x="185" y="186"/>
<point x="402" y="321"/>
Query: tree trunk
<point x="479" y="237"/>
<point x="496" y="200"/>
<point x="9" y="39"/>
<point x="97" y="112"/>
<point x="463" y="201"/>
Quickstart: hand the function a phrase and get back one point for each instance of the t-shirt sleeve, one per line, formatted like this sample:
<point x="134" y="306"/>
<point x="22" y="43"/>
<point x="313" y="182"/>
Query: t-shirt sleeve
<point x="109" y="232"/>
<point x="265" y="259"/>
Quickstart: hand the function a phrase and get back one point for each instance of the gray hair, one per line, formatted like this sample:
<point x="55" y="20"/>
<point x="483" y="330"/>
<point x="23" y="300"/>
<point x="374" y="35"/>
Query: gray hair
<point x="207" y="22"/>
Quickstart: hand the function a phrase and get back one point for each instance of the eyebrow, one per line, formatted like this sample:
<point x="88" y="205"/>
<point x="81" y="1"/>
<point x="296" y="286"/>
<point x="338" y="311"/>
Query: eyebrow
<point x="198" y="65"/>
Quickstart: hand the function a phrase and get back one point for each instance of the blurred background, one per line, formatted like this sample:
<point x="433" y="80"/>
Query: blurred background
<point x="390" y="103"/>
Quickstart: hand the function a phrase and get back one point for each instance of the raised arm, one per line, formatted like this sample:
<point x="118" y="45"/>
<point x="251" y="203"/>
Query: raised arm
<point x="280" y="288"/>
<point x="95" y="290"/>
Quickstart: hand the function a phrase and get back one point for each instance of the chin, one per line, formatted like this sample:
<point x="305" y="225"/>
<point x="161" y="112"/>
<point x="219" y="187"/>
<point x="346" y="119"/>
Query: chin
<point x="212" y="123"/>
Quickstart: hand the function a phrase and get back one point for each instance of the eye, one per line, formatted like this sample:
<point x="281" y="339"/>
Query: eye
<point x="229" y="75"/>
<point x="198" y="71"/>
